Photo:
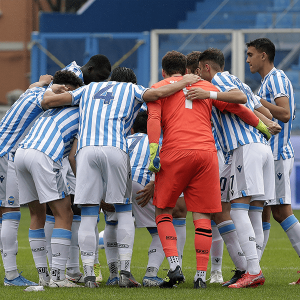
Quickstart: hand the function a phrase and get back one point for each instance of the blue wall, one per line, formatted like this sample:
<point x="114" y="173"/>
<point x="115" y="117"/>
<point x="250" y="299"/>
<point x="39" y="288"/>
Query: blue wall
<point x="120" y="16"/>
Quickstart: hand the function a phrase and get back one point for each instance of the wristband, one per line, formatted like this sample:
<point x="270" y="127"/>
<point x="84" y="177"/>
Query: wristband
<point x="213" y="95"/>
<point x="49" y="89"/>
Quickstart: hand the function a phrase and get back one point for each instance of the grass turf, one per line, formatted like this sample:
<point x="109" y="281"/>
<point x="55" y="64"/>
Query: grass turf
<point x="280" y="264"/>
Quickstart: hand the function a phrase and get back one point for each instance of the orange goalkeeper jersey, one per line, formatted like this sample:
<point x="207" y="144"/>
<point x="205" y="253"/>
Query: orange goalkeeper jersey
<point x="183" y="127"/>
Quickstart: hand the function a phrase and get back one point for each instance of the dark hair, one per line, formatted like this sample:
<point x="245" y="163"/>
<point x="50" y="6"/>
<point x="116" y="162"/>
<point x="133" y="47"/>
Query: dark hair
<point x="140" y="123"/>
<point x="264" y="45"/>
<point x="96" y="69"/>
<point x="123" y="74"/>
<point x="67" y="77"/>
<point x="215" y="57"/>
<point x="174" y="62"/>
<point x="193" y="60"/>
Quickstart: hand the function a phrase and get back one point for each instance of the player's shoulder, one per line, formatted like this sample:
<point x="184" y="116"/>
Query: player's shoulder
<point x="166" y="81"/>
<point x="205" y="85"/>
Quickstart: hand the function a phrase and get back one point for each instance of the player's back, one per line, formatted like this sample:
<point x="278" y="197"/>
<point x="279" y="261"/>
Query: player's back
<point x="186" y="124"/>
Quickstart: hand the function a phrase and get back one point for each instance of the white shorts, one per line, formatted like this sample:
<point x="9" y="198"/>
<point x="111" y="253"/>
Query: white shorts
<point x="9" y="192"/>
<point x="68" y="175"/>
<point x="283" y="169"/>
<point x="144" y="216"/>
<point x="102" y="172"/>
<point x="224" y="171"/>
<point x="252" y="170"/>
<point x="40" y="177"/>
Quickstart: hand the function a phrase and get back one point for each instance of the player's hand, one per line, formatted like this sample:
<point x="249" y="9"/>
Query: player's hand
<point x="191" y="78"/>
<point x="59" y="88"/>
<point x="106" y="206"/>
<point x="154" y="165"/>
<point x="274" y="128"/>
<point x="45" y="79"/>
<point x="145" y="194"/>
<point x="197" y="93"/>
<point x="263" y="129"/>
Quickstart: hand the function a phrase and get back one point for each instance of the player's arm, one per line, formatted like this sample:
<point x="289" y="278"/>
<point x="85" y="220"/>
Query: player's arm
<point x="263" y="111"/>
<point x="280" y="111"/>
<point x="273" y="127"/>
<point x="246" y="115"/>
<point x="169" y="89"/>
<point x="154" y="131"/>
<point x="43" y="80"/>
<point x="71" y="157"/>
<point x="232" y="96"/>
<point x="51" y="99"/>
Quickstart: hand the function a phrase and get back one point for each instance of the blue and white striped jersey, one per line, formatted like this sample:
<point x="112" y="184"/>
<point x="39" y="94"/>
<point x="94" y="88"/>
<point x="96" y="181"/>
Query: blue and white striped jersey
<point x="138" y="148"/>
<point x="107" y="111"/>
<point x="276" y="84"/>
<point x="53" y="133"/>
<point x="19" y="118"/>
<point x="231" y="130"/>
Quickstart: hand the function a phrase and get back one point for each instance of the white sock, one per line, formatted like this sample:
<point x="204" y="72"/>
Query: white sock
<point x="180" y="228"/>
<point x="173" y="262"/>
<point x="216" y="250"/>
<point x="87" y="239"/>
<point x="255" y="215"/>
<point x="292" y="228"/>
<point x="49" y="225"/>
<point x="111" y="248"/>
<point x="156" y="254"/>
<point x="229" y="235"/>
<point x="9" y="238"/>
<point x="246" y="235"/>
<point x="1" y="247"/>
<point x="73" y="257"/>
<point x="200" y="274"/>
<point x="266" y="229"/>
<point x="125" y="235"/>
<point x="96" y="261"/>
<point x="37" y="241"/>
<point x="60" y="246"/>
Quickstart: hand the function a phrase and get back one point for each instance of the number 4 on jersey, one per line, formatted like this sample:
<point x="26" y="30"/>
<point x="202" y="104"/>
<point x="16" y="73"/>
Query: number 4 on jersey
<point x="103" y="94"/>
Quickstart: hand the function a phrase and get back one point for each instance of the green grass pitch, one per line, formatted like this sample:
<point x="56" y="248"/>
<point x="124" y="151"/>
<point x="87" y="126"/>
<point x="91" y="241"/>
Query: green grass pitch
<point x="280" y="264"/>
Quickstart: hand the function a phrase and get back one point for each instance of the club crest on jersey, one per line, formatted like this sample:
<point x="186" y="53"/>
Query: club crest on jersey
<point x="2" y="178"/>
<point x="239" y="168"/>
<point x="279" y="175"/>
<point x="11" y="200"/>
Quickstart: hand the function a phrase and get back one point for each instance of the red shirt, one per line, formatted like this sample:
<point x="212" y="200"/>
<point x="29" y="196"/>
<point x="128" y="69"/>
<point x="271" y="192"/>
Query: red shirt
<point x="183" y="128"/>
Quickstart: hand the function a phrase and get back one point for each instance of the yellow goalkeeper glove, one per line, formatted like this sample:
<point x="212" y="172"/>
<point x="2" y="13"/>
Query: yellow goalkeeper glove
<point x="154" y="165"/>
<point x="264" y="130"/>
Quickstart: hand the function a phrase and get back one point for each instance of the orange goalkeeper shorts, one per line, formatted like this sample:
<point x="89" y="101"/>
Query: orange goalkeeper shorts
<point x="193" y="172"/>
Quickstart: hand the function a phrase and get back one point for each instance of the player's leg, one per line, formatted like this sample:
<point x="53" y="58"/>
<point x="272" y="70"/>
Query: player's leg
<point x="179" y="222"/>
<point x="145" y="218"/>
<point x="247" y="179"/>
<point x="10" y="223"/>
<point x="49" y="225"/>
<point x="266" y="216"/>
<point x="97" y="264"/>
<point x="111" y="247"/>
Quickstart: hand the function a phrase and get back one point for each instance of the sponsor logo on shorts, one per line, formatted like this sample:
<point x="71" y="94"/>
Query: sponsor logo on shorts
<point x="217" y="260"/>
<point x="169" y="237"/>
<point x="38" y="249"/>
<point x="279" y="175"/>
<point x="111" y="244"/>
<point x="239" y="168"/>
<point x="11" y="200"/>
<point x="202" y="251"/>
<point x="123" y="246"/>
<point x="84" y="253"/>
<point x="251" y="239"/>
<point x="2" y="178"/>
<point x="56" y="254"/>
<point x="258" y="247"/>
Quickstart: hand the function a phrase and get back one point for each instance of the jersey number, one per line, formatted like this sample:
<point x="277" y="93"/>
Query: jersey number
<point x="103" y="94"/>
